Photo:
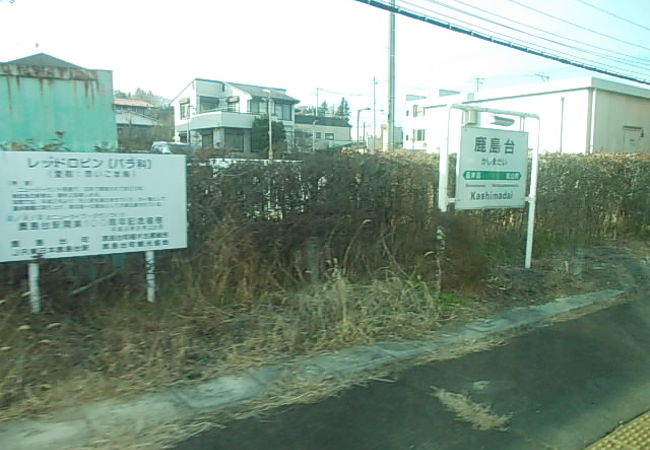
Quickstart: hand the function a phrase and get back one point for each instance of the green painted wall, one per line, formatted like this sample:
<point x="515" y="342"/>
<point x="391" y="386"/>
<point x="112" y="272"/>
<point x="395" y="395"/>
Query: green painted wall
<point x="36" y="102"/>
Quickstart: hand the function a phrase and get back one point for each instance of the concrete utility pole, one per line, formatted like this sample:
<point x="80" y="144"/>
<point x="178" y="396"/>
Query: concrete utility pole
<point x="391" y="82"/>
<point x="374" y="115"/>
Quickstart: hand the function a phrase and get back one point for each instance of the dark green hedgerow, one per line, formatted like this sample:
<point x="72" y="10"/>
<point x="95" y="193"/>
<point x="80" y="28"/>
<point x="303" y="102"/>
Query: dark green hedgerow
<point x="263" y="226"/>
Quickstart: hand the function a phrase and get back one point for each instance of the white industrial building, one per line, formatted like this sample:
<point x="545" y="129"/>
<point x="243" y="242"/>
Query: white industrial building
<point x="586" y="115"/>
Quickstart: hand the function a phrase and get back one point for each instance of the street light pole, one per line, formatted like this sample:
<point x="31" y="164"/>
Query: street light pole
<point x="358" y="113"/>
<point x="269" y="108"/>
<point x="189" y="128"/>
<point x="188" y="124"/>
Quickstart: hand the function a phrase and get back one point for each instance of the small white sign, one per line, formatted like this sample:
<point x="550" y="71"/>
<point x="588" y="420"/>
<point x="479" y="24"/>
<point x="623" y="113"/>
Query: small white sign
<point x="63" y="204"/>
<point x="492" y="169"/>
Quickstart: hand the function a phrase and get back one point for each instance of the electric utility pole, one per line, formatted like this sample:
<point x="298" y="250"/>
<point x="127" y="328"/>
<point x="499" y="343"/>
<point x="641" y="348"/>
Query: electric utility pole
<point x="373" y="148"/>
<point x="391" y="82"/>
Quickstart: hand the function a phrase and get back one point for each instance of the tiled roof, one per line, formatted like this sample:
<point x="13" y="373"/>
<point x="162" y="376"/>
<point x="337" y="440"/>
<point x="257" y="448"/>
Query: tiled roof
<point x="260" y="91"/>
<point x="132" y="102"/>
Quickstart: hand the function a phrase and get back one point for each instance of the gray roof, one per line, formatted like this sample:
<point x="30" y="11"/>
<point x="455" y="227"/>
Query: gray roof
<point x="322" y="120"/>
<point x="259" y="91"/>
<point x="43" y="59"/>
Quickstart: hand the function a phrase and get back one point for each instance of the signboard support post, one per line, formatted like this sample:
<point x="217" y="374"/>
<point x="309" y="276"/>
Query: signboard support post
<point x="34" y="288"/>
<point x="150" y="261"/>
<point x="443" y="201"/>
<point x="532" y="200"/>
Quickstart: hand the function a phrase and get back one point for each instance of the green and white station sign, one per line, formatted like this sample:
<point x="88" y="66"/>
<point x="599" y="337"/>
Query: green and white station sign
<point x="492" y="168"/>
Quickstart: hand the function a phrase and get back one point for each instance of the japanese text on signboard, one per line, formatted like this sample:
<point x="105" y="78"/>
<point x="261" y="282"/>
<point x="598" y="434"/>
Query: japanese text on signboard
<point x="67" y="204"/>
<point x="491" y="169"/>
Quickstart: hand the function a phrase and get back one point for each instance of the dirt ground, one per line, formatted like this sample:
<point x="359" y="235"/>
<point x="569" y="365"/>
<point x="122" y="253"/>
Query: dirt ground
<point x="613" y="265"/>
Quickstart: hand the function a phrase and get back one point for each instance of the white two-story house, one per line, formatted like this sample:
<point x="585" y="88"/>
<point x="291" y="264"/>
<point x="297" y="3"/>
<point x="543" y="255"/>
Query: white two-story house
<point x="219" y="114"/>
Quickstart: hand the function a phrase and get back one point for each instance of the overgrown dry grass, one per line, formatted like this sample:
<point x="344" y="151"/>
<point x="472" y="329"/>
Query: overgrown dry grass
<point x="116" y="347"/>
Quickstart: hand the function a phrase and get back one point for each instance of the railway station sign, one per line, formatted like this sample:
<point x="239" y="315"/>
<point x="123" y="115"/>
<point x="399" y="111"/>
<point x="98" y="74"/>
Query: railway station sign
<point x="492" y="169"/>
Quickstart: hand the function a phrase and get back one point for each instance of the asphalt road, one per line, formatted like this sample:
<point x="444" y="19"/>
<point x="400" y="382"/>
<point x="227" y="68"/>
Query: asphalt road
<point x="563" y="386"/>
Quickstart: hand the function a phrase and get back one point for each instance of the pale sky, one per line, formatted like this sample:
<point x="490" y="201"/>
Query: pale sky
<point x="335" y="45"/>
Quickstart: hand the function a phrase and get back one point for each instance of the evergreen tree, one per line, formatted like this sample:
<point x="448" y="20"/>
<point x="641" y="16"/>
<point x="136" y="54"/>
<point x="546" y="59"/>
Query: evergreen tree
<point x="323" y="109"/>
<point x="343" y="110"/>
<point x="260" y="136"/>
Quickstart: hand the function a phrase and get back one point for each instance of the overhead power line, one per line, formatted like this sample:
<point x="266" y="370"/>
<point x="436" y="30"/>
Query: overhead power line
<point x="609" y="13"/>
<point x="622" y="57"/>
<point x="568" y="22"/>
<point x="525" y="33"/>
<point x="489" y="38"/>
<point x="533" y="46"/>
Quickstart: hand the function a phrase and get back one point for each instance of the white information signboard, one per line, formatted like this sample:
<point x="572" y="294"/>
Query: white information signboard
<point x="492" y="169"/>
<point x="63" y="204"/>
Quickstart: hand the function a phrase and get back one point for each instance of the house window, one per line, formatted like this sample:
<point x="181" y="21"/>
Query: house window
<point x="283" y="111"/>
<point x="329" y="136"/>
<point x="418" y="135"/>
<point x="232" y="104"/>
<point x="259" y="107"/>
<point x="184" y="109"/>
<point x="234" y="139"/>
<point x="208" y="104"/>
<point x="318" y="135"/>
<point x="418" y="111"/>
<point x="207" y="139"/>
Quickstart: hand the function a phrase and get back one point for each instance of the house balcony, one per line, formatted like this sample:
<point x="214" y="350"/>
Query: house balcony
<point x="221" y="118"/>
<point x="218" y="119"/>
